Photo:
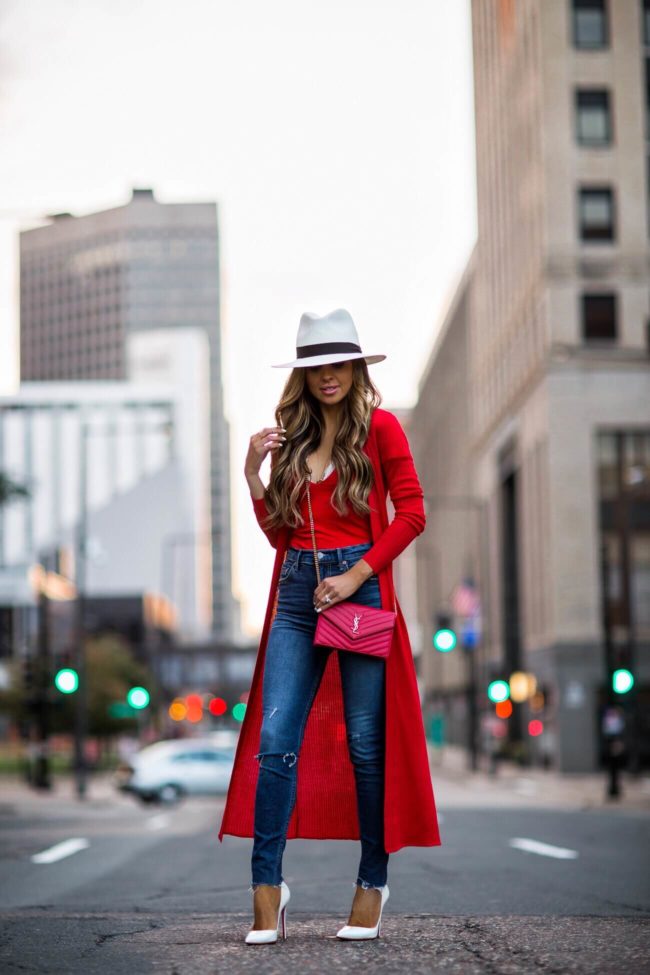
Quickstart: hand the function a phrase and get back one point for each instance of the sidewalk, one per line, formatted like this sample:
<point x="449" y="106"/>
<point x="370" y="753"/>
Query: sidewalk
<point x="99" y="791"/>
<point x="456" y="783"/>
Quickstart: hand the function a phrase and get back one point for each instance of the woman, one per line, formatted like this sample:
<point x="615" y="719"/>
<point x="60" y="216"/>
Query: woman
<point x="332" y="744"/>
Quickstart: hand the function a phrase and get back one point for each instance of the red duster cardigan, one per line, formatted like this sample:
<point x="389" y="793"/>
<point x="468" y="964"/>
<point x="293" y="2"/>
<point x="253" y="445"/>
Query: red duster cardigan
<point x="326" y="806"/>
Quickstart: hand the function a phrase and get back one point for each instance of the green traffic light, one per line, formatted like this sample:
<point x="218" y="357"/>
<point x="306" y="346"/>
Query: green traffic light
<point x="138" y="698"/>
<point x="444" y="640"/>
<point x="238" y="711"/>
<point x="66" y="680"/>
<point x="622" y="681"/>
<point x="498" y="690"/>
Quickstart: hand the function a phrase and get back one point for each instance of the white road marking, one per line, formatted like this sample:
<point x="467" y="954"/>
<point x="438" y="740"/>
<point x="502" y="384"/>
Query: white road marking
<point x="60" y="850"/>
<point x="543" y="849"/>
<point x="158" y="822"/>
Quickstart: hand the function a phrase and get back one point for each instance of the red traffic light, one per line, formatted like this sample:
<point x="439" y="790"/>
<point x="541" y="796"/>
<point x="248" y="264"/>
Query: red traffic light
<point x="217" y="706"/>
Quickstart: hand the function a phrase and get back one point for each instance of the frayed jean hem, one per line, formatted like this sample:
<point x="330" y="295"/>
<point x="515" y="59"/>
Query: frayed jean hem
<point x="359" y="882"/>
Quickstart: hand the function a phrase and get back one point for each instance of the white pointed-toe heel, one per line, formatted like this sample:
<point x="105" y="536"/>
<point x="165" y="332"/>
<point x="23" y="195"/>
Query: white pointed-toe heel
<point x="267" y="936"/>
<point x="352" y="932"/>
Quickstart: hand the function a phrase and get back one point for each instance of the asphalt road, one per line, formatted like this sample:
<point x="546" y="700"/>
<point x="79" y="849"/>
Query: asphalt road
<point x="514" y="888"/>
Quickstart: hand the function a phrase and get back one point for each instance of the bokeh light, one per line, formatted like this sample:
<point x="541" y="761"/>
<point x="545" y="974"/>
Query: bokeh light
<point x="444" y="640"/>
<point x="67" y="680"/>
<point x="498" y="690"/>
<point x="177" y="709"/>
<point x="537" y="702"/>
<point x="138" y="698"/>
<point x="503" y="709"/>
<point x="500" y="729"/>
<point x="622" y="681"/>
<point x="194" y="704"/>
<point x="217" y="706"/>
<point x="520" y="685"/>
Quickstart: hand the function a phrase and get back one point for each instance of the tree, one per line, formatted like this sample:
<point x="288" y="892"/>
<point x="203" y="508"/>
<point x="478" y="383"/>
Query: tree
<point x="111" y="671"/>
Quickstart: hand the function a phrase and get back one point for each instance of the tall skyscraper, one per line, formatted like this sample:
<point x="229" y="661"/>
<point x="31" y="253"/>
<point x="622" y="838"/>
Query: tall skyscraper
<point x="558" y="343"/>
<point x="548" y="340"/>
<point x="88" y="282"/>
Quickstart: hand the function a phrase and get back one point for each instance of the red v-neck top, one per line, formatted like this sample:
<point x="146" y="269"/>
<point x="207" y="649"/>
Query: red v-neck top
<point x="332" y="529"/>
<point x="400" y="478"/>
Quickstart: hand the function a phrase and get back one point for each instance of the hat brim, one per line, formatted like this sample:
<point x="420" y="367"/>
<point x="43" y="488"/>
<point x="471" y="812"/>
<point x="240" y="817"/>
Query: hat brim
<point x="321" y="360"/>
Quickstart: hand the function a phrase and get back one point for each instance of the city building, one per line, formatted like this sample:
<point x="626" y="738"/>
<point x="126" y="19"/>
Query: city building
<point x="405" y="569"/>
<point x="124" y="463"/>
<point x="88" y="283"/>
<point x="450" y="549"/>
<point x="557" y="376"/>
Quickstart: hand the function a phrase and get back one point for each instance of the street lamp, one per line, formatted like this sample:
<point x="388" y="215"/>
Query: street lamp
<point x="81" y="697"/>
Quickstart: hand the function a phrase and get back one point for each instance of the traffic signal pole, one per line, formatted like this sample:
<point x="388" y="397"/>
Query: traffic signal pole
<point x="41" y="771"/>
<point x="81" y="697"/>
<point x="472" y="712"/>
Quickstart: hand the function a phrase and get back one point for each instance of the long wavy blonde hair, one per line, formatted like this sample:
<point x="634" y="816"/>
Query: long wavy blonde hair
<point x="299" y="412"/>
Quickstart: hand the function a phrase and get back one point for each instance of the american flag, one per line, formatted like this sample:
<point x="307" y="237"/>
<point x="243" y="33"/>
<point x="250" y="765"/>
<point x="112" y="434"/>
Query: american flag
<point x="465" y="599"/>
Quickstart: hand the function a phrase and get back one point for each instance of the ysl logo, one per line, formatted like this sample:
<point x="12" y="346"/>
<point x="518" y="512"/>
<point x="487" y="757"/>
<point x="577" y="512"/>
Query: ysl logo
<point x="357" y="617"/>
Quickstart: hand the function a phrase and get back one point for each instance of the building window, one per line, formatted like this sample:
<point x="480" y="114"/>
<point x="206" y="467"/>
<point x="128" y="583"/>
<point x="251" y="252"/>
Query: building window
<point x="593" y="118"/>
<point x="640" y="584"/>
<point x="623" y="459"/>
<point x="590" y="28"/>
<point x="599" y="318"/>
<point x="596" y="214"/>
<point x="607" y="466"/>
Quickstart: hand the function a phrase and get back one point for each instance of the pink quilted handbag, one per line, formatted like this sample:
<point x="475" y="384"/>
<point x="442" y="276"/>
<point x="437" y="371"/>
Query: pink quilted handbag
<point x="352" y="626"/>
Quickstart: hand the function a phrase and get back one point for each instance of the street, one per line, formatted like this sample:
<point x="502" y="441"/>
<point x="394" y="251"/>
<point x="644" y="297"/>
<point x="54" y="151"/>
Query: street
<point x="523" y="882"/>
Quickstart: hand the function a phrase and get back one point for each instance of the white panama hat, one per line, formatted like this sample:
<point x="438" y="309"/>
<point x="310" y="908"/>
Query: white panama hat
<point x="330" y="338"/>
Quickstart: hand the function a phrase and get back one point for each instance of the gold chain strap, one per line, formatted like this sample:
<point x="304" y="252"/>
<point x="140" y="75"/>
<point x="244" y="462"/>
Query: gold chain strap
<point x="313" y="533"/>
<point x="313" y="538"/>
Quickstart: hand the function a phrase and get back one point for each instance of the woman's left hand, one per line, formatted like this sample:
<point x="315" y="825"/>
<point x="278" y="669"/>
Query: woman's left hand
<point x="337" y="588"/>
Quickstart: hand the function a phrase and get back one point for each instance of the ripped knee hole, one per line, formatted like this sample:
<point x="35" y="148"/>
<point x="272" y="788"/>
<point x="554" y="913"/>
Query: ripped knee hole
<point x="289" y="758"/>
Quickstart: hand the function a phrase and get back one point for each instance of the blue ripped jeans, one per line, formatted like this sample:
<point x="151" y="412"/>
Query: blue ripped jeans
<point x="293" y="669"/>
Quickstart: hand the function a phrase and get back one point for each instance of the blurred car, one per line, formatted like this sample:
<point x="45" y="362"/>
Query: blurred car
<point x="225" y="737"/>
<point x="169" y="770"/>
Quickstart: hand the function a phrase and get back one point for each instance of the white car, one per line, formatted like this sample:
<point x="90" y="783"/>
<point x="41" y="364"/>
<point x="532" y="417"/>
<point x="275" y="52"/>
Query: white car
<point x="225" y="737"/>
<point x="168" y="770"/>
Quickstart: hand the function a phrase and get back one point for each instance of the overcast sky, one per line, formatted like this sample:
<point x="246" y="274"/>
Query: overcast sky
<point x="336" y="136"/>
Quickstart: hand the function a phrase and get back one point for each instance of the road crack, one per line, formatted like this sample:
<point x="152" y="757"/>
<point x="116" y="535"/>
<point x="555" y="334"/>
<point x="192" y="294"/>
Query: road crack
<point x="519" y="955"/>
<point x="474" y="928"/>
<point x="101" y="939"/>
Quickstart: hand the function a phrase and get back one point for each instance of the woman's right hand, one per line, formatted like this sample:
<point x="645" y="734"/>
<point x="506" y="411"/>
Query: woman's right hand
<point x="261" y="443"/>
